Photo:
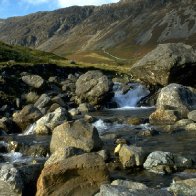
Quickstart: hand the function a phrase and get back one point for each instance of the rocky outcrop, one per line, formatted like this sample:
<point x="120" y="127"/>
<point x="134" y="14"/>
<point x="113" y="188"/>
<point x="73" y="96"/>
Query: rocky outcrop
<point x="78" y="134"/>
<point x="168" y="63"/>
<point x="165" y="162"/>
<point x="78" y="175"/>
<point x="93" y="87"/>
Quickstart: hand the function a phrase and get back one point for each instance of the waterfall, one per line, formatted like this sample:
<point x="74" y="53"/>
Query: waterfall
<point x="132" y="97"/>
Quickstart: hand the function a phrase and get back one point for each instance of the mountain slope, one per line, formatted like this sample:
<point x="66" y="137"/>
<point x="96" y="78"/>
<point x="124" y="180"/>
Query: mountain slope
<point x="125" y="30"/>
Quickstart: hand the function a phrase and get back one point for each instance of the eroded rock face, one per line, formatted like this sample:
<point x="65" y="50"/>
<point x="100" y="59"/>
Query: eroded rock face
<point x="93" y="87"/>
<point x="78" y="175"/>
<point x="78" y="134"/>
<point x="166" y="162"/>
<point x="177" y="97"/>
<point x="172" y="62"/>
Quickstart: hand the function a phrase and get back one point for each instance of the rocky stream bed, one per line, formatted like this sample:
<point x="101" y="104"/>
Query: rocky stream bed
<point x="71" y="131"/>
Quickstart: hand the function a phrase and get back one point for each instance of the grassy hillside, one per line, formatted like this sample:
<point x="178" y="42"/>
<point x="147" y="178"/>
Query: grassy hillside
<point x="25" y="55"/>
<point x="10" y="54"/>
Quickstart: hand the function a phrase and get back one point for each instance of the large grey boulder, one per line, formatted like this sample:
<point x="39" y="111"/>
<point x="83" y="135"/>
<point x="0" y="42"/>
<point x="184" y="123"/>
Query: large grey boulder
<point x="184" y="187"/>
<point x="34" y="81"/>
<point x="77" y="175"/>
<point x="93" y="87"/>
<point x="172" y="62"/>
<point x="165" y="162"/>
<point x="177" y="97"/>
<point x="78" y="134"/>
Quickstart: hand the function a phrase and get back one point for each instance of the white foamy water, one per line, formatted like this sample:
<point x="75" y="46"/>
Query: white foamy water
<point x="102" y="126"/>
<point x="12" y="156"/>
<point x="30" y="130"/>
<point x="132" y="97"/>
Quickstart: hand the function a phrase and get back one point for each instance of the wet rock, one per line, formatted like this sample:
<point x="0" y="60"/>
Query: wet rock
<point x="104" y="154"/>
<point x="53" y="107"/>
<point x="11" y="177"/>
<point x="165" y="162"/>
<point x="134" y="121"/>
<point x="34" y="81"/>
<point x="28" y="115"/>
<point x="19" y="179"/>
<point x="113" y="190"/>
<point x="68" y="86"/>
<point x="177" y="97"/>
<point x="184" y="187"/>
<point x="89" y="118"/>
<point x="43" y="101"/>
<point x="162" y="116"/>
<point x="85" y="107"/>
<point x="192" y="115"/>
<point x="58" y="99"/>
<point x="183" y="122"/>
<point x="148" y="132"/>
<point x="77" y="175"/>
<point x="78" y="134"/>
<point x="31" y="97"/>
<point x="62" y="154"/>
<point x="190" y="127"/>
<point x="3" y="147"/>
<point x="29" y="148"/>
<point x="74" y="112"/>
<point x="9" y="126"/>
<point x="93" y="87"/>
<point x="50" y="121"/>
<point x="172" y="62"/>
<point x="131" y="156"/>
<point x="129" y="184"/>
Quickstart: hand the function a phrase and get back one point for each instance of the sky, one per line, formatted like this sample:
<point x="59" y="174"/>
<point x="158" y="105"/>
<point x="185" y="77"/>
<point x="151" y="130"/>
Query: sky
<point x="9" y="8"/>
